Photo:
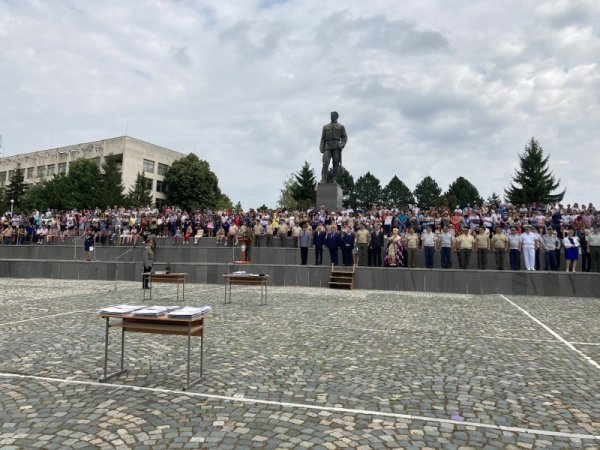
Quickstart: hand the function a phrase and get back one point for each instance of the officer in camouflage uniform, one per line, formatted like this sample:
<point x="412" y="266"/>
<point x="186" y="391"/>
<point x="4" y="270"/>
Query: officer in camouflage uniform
<point x="333" y="140"/>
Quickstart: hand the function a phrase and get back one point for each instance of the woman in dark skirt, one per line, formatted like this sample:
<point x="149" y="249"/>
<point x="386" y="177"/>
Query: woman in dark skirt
<point x="571" y="244"/>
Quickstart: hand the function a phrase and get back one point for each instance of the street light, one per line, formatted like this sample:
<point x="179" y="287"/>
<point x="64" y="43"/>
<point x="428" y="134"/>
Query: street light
<point x="12" y="203"/>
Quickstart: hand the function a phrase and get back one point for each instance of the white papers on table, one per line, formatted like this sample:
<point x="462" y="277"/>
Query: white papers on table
<point x="189" y="311"/>
<point x="239" y="272"/>
<point x="153" y="311"/>
<point x="120" y="310"/>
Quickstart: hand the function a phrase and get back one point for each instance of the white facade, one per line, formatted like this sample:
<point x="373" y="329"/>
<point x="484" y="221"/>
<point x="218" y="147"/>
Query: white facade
<point x="135" y="156"/>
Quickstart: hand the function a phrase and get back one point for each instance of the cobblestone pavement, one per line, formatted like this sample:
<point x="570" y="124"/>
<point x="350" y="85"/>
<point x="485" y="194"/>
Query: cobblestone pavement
<point x="315" y="368"/>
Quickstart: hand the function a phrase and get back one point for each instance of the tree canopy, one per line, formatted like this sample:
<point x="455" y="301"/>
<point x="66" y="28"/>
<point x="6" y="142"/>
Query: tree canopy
<point x="462" y="192"/>
<point x="304" y="187"/>
<point x="192" y="185"/>
<point x="427" y="193"/>
<point x="533" y="182"/>
<point x="396" y="194"/>
<point x="139" y="195"/>
<point x="367" y="190"/>
<point x="16" y="187"/>
<point x="110" y="190"/>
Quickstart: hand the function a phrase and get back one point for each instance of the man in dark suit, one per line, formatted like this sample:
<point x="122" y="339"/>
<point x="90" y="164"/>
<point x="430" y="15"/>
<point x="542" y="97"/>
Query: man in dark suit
<point x="319" y="237"/>
<point x="332" y="242"/>
<point x="348" y="240"/>
<point x="375" y="246"/>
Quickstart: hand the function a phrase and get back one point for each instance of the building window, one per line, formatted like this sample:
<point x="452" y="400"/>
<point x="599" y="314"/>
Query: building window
<point x="51" y="169"/>
<point x="148" y="166"/>
<point x="30" y="172"/>
<point x="62" y="167"/>
<point x="161" y="186"/>
<point x="160" y="203"/>
<point x="162" y="169"/>
<point x="148" y="183"/>
<point x="10" y="174"/>
<point x="2" y="178"/>
<point x="41" y="171"/>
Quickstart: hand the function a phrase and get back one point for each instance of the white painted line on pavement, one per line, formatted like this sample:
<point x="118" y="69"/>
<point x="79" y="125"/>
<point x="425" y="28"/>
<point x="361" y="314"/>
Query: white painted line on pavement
<point x="585" y="343"/>
<point x="404" y="331"/>
<point x="553" y="333"/>
<point x="237" y="399"/>
<point x="48" y="317"/>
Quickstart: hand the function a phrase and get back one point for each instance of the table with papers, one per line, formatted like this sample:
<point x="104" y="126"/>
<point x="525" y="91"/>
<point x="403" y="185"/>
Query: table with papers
<point x="163" y="277"/>
<point x="247" y="279"/>
<point x="184" y="321"/>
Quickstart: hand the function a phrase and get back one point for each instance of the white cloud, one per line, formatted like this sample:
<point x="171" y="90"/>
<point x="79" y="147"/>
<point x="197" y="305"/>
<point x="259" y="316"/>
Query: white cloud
<point x="446" y="89"/>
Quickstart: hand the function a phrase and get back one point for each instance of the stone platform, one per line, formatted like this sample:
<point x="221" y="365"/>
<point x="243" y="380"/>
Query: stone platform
<point x="205" y="264"/>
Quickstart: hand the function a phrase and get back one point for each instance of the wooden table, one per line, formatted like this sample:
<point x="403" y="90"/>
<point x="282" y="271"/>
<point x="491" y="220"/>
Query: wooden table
<point x="247" y="280"/>
<point x="171" y="278"/>
<point x="156" y="325"/>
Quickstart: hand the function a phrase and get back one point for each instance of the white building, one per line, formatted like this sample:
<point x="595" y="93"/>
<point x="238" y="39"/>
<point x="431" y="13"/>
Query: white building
<point x="133" y="155"/>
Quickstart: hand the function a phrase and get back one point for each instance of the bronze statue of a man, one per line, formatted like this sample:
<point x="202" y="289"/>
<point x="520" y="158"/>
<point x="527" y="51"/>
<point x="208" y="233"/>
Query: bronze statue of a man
<point x="333" y="141"/>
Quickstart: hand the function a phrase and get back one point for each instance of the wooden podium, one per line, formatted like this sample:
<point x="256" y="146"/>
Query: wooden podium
<point x="244" y="242"/>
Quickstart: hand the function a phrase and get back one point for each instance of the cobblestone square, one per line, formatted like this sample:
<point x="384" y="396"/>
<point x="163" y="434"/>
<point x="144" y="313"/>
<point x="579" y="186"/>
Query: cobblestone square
<point x="315" y="368"/>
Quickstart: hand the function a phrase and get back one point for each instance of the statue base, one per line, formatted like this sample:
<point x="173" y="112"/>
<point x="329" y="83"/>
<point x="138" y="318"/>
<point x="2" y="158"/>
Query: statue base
<point x="329" y="195"/>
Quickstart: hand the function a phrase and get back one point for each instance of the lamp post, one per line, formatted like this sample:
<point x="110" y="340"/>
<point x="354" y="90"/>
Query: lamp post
<point x="12" y="203"/>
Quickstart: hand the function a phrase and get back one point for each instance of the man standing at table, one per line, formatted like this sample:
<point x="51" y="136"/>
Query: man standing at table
<point x="147" y="262"/>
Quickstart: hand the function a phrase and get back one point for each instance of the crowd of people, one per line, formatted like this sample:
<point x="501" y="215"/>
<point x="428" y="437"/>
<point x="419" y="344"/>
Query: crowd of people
<point x="537" y="234"/>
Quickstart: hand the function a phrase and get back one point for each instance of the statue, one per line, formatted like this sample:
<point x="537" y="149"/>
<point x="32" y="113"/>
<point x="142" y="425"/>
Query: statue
<point x="333" y="141"/>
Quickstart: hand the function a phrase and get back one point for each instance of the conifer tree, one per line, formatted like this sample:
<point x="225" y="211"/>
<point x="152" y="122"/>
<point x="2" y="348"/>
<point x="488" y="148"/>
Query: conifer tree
<point x="368" y="191"/>
<point x="304" y="187"/>
<point x="533" y="182"/>
<point x="396" y="194"/>
<point x="16" y="188"/>
<point x="139" y="195"/>
<point x="427" y="193"/>
<point x="463" y="193"/>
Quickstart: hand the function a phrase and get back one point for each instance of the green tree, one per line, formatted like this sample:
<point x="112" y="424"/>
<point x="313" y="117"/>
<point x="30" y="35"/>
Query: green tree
<point x="139" y="195"/>
<point x="346" y="182"/>
<point x="3" y="199"/>
<point x="493" y="200"/>
<point x="368" y="191"/>
<point x="224" y="202"/>
<point x="304" y="187"/>
<point x="84" y="178"/>
<point x="533" y="182"/>
<point x="110" y="190"/>
<point x="396" y="194"/>
<point x="55" y="193"/>
<point x="16" y="188"/>
<point x="463" y="193"/>
<point x="286" y="199"/>
<point x="427" y="193"/>
<point x="192" y="185"/>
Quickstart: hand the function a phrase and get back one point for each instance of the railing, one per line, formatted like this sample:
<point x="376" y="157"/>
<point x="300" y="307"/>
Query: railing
<point x="117" y="266"/>
<point x="76" y="238"/>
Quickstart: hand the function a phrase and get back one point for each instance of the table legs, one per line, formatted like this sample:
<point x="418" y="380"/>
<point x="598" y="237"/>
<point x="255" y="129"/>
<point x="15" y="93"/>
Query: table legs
<point x="189" y="346"/>
<point x="123" y="369"/>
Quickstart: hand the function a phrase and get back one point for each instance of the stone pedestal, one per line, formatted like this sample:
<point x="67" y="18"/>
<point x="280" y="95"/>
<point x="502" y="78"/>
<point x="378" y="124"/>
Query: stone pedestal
<point x="329" y="195"/>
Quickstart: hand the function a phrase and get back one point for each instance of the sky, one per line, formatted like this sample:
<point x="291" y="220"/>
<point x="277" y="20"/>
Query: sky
<point x="440" y="88"/>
